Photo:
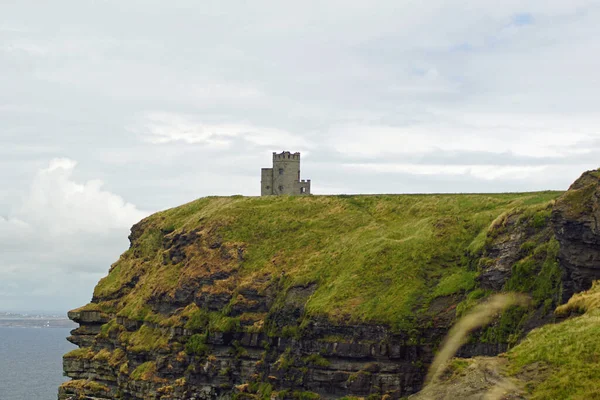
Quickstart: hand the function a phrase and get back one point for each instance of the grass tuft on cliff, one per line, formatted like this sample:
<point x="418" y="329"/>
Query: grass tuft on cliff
<point x="84" y="385"/>
<point x="373" y="258"/>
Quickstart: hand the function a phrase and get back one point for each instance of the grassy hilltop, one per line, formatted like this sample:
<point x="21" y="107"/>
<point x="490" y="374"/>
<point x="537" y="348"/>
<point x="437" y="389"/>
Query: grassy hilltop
<point x="374" y="258"/>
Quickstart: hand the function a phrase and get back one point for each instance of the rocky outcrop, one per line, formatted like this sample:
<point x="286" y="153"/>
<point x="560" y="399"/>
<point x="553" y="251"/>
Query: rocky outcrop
<point x="257" y="346"/>
<point x="384" y="364"/>
<point x="575" y="218"/>
<point x="124" y="359"/>
<point x="506" y="245"/>
<point x="90" y="325"/>
<point x="187" y="313"/>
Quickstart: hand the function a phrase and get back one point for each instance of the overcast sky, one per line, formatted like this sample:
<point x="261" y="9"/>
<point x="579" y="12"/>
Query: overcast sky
<point x="111" y="110"/>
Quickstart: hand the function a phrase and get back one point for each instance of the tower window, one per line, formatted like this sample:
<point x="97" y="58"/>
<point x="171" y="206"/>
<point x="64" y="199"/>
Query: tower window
<point x="280" y="188"/>
<point x="268" y="187"/>
<point x="302" y="190"/>
<point x="280" y="171"/>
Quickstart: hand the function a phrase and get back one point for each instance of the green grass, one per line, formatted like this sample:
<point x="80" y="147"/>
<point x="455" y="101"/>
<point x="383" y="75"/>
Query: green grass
<point x="84" y="386"/>
<point x="102" y="356"/>
<point x="144" y="372"/>
<point x="568" y="353"/>
<point x="473" y="298"/>
<point x="317" y="359"/>
<point x="196" y="345"/>
<point x="198" y="320"/>
<point x="223" y="323"/>
<point x="374" y="258"/>
<point x="535" y="271"/>
<point x="459" y="281"/>
<point x="82" y="353"/>
<point x="577" y="202"/>
<point x="146" y="339"/>
<point x="538" y="273"/>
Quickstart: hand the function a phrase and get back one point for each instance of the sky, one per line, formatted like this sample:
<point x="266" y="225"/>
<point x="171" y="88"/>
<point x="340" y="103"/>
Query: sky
<point x="112" y="110"/>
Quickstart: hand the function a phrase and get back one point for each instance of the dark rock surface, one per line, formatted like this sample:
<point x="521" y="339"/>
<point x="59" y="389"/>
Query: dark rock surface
<point x="575" y="219"/>
<point x="328" y="359"/>
<point x="502" y="254"/>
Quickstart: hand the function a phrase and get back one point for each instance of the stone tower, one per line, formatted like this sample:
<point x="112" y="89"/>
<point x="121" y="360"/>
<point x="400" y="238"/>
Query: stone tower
<point x="284" y="177"/>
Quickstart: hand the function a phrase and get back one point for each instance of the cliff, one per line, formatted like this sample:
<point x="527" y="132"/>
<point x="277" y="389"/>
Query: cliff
<point x="555" y="361"/>
<point x="576" y="219"/>
<point x="315" y="297"/>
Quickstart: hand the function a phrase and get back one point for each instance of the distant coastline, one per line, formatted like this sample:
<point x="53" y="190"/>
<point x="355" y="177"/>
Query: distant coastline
<point x="14" y="320"/>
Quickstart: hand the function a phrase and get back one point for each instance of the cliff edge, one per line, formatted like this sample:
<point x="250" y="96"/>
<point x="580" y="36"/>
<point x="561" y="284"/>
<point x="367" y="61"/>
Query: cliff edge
<point x="576" y="220"/>
<point x="314" y="297"/>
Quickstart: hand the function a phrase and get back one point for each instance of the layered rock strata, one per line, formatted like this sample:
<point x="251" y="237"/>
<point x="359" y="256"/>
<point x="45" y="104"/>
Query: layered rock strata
<point x="177" y="319"/>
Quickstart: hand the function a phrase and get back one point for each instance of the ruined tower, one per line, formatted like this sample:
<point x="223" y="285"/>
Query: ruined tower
<point x="284" y="177"/>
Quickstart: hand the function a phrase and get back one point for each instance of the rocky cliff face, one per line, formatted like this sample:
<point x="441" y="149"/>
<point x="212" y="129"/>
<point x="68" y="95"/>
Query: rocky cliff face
<point x="203" y="307"/>
<point x="205" y="356"/>
<point x="576" y="219"/>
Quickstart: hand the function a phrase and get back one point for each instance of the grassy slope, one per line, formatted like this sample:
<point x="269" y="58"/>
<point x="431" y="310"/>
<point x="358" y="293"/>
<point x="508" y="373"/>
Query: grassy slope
<point x="562" y="361"/>
<point x="555" y="361"/>
<point x="375" y="258"/>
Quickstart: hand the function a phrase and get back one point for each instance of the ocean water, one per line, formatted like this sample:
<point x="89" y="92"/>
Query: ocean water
<point x="31" y="362"/>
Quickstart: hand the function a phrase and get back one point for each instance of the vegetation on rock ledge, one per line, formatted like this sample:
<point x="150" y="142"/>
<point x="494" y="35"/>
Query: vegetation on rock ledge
<point x="560" y="361"/>
<point x="373" y="258"/>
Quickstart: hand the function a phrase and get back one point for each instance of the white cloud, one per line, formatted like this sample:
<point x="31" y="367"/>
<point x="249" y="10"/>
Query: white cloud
<point x="61" y="206"/>
<point x="13" y="230"/>
<point x="163" y="128"/>
<point x="65" y="232"/>
<point x="521" y="134"/>
<point x="484" y="172"/>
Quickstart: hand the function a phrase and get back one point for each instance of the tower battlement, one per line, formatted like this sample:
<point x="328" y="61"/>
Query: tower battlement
<point x="286" y="155"/>
<point x="284" y="177"/>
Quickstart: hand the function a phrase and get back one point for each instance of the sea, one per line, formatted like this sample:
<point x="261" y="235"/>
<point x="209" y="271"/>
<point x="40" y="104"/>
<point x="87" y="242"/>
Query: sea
<point x="31" y="362"/>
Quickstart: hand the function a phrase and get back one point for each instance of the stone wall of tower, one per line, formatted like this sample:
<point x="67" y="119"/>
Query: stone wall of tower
<point x="286" y="171"/>
<point x="302" y="187"/>
<point x="266" y="181"/>
<point x="284" y="177"/>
